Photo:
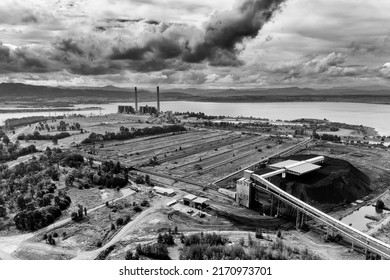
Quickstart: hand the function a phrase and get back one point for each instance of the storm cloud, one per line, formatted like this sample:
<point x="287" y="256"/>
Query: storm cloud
<point x="216" y="42"/>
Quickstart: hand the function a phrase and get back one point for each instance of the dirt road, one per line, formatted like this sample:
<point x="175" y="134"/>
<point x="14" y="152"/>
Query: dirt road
<point x="141" y="218"/>
<point x="10" y="244"/>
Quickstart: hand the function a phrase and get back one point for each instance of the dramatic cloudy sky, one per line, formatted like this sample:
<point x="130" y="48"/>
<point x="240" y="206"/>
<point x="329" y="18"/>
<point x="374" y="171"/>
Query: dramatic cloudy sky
<point x="202" y="43"/>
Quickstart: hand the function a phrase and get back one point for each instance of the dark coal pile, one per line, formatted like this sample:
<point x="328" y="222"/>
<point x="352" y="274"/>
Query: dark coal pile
<point x="337" y="182"/>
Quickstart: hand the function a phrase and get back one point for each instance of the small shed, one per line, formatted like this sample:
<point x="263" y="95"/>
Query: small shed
<point x="199" y="202"/>
<point x="164" y="191"/>
<point x="187" y="200"/>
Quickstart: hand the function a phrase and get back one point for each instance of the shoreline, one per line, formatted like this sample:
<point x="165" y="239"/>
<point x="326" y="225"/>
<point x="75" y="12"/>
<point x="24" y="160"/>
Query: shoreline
<point x="32" y="110"/>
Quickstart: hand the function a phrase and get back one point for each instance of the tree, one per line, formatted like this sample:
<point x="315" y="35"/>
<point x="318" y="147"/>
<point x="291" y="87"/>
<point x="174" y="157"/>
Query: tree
<point x="250" y="240"/>
<point x="380" y="204"/>
<point x="147" y="179"/>
<point x="55" y="140"/>
<point x="129" y="255"/>
<point x="6" y="140"/>
<point x="160" y="238"/>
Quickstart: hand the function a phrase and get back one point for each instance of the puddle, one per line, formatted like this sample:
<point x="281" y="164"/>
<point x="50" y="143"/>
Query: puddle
<point x="358" y="219"/>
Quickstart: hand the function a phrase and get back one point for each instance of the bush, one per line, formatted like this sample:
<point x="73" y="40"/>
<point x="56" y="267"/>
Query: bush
<point x="74" y="216"/>
<point x="129" y="255"/>
<point x="127" y="219"/>
<point x="156" y="251"/>
<point x="380" y="204"/>
<point x="137" y="209"/>
<point x="119" y="222"/>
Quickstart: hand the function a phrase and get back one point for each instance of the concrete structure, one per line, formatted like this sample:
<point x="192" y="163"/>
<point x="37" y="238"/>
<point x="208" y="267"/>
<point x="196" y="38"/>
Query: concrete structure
<point x="125" y="109"/>
<point x="158" y="100"/>
<point x="195" y="201"/>
<point x="164" y="191"/>
<point x="147" y="110"/>
<point x="227" y="192"/>
<point x="244" y="190"/>
<point x="199" y="202"/>
<point x="136" y="99"/>
<point x="187" y="200"/>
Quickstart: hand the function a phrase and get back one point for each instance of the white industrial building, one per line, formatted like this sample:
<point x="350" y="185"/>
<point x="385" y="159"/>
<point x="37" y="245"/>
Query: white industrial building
<point x="164" y="191"/>
<point x="227" y="192"/>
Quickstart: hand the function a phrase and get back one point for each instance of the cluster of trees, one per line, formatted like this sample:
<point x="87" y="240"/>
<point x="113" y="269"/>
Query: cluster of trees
<point x="37" y="136"/>
<point x="199" y="115"/>
<point x="110" y="175"/>
<point x="63" y="126"/>
<point x="31" y="220"/>
<point x="212" y="247"/>
<point x="263" y="125"/>
<point x="79" y="215"/>
<point x="13" y="151"/>
<point x="157" y="251"/>
<point x="166" y="238"/>
<point x="327" y="137"/>
<point x="29" y="191"/>
<point x="73" y="160"/>
<point x="126" y="133"/>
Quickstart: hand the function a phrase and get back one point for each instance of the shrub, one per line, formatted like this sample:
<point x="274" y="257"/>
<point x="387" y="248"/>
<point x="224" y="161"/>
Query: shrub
<point x="129" y="255"/>
<point x="127" y="219"/>
<point x="119" y="222"/>
<point x="74" y="216"/>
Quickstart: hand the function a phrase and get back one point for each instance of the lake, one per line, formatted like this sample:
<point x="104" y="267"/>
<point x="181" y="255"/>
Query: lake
<point x="373" y="115"/>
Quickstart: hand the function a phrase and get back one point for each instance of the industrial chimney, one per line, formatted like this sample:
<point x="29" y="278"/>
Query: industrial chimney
<point x="158" y="99"/>
<point x="136" y="99"/>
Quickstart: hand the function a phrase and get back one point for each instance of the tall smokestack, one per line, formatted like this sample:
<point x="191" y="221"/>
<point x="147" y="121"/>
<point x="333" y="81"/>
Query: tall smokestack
<point x="136" y="99"/>
<point x="158" y="99"/>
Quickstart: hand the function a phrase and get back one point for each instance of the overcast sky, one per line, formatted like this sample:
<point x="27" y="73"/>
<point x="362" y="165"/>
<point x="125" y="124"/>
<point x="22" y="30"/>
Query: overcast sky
<point x="202" y="43"/>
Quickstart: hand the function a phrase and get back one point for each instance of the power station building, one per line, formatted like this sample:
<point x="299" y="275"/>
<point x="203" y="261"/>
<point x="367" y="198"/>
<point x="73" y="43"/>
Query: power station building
<point x="123" y="109"/>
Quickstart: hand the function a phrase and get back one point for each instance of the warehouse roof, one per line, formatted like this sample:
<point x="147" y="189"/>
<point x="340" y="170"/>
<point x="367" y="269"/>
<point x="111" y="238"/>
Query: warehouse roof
<point x="189" y="197"/>
<point x="283" y="164"/>
<point x="303" y="168"/>
<point x="200" y="200"/>
<point x="163" y="190"/>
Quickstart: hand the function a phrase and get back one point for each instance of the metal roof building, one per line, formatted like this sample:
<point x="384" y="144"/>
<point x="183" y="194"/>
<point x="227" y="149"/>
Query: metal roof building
<point x="189" y="197"/>
<point x="164" y="191"/>
<point x="298" y="167"/>
<point x="200" y="200"/>
<point x="303" y="168"/>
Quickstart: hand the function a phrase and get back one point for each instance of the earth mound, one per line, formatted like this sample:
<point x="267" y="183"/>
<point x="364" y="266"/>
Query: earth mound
<point x="336" y="182"/>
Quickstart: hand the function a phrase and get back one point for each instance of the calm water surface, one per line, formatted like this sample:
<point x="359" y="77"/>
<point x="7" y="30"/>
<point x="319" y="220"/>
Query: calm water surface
<point x="373" y="115"/>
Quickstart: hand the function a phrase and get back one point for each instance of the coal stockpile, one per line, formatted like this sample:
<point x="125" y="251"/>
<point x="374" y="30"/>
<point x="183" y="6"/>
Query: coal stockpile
<point x="336" y="182"/>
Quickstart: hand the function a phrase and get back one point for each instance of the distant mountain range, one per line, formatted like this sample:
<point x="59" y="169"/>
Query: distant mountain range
<point x="368" y="94"/>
